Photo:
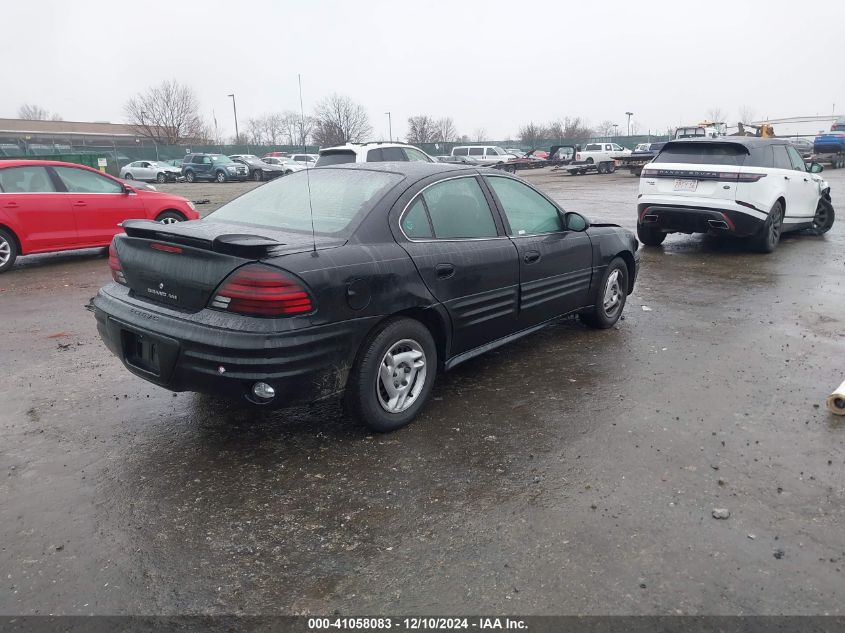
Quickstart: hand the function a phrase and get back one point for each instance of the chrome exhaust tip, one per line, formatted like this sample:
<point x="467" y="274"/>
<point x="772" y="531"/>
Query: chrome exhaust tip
<point x="718" y="224"/>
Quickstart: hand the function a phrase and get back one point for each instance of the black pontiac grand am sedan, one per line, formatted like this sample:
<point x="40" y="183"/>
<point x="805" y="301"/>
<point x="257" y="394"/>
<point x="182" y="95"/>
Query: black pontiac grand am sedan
<point x="362" y="280"/>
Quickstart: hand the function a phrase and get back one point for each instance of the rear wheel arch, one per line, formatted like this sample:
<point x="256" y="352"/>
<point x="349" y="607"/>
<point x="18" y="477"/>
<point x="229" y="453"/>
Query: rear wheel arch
<point x="782" y="201"/>
<point x="428" y="317"/>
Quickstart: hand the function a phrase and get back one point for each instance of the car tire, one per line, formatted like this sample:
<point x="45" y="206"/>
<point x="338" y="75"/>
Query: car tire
<point x="128" y="176"/>
<point x="590" y="161"/>
<point x="8" y="250"/>
<point x="220" y="176"/>
<point x="367" y="396"/>
<point x="824" y="218"/>
<point x="650" y="235"/>
<point x="767" y="238"/>
<point x="257" y="176"/>
<point x="602" y="169"/>
<point x="611" y="167"/>
<point x="288" y="172"/>
<point x="610" y="297"/>
<point x="190" y="176"/>
<point x="161" y="178"/>
<point x="170" y="217"/>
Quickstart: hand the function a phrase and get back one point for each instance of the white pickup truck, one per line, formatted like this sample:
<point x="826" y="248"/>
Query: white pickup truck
<point x="595" y="153"/>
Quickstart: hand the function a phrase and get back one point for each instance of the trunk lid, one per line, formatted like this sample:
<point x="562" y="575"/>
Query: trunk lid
<point x="697" y="169"/>
<point x="180" y="265"/>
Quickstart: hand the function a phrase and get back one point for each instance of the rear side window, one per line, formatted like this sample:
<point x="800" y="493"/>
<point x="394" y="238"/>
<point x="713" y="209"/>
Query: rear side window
<point x="593" y="147"/>
<point x="459" y="210"/>
<point x="374" y="156"/>
<point x="336" y="158"/>
<point x="703" y="154"/>
<point x="393" y="154"/>
<point x="460" y="151"/>
<point x="476" y="151"/>
<point x="415" y="221"/>
<point x="781" y="157"/>
<point x="84" y="181"/>
<point x="25" y="180"/>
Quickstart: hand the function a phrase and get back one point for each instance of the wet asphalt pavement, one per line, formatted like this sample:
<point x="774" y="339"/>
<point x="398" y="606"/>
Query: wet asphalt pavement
<point x="574" y="471"/>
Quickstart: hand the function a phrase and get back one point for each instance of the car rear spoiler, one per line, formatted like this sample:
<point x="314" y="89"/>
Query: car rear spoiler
<point x="236" y="244"/>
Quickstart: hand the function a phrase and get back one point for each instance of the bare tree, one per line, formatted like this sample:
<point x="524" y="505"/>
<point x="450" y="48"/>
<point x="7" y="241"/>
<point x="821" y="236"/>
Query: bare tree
<point x="480" y="134"/>
<point x="167" y="113"/>
<point x="576" y="127"/>
<point x="421" y="129"/>
<point x="444" y="130"/>
<point x="32" y="112"/>
<point x="605" y="128"/>
<point x="339" y="120"/>
<point x="531" y="134"/>
<point x="717" y="115"/>
<point x="747" y="114"/>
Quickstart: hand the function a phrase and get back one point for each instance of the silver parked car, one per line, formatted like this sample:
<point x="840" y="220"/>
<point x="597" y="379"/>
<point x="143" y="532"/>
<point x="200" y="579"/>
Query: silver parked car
<point x="150" y="170"/>
<point x="288" y="164"/>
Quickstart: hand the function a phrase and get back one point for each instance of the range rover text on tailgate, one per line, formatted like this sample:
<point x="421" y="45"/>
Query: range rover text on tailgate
<point x="745" y="187"/>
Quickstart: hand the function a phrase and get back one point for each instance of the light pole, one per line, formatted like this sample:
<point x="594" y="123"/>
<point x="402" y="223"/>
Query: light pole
<point x="389" y="126"/>
<point x="615" y="129"/>
<point x="630" y="114"/>
<point x="235" y="110"/>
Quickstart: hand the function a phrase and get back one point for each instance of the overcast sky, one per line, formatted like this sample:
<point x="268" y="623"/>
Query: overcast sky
<point x="486" y="63"/>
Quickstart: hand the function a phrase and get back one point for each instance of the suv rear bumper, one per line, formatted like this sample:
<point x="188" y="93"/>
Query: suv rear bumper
<point x="674" y="218"/>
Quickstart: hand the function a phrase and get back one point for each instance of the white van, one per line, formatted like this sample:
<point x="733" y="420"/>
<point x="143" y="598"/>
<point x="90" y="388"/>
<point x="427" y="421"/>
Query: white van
<point x="485" y="154"/>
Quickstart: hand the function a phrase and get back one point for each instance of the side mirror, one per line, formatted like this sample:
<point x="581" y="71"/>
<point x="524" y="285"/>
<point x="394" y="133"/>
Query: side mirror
<point x="575" y="221"/>
<point x="129" y="190"/>
<point x="816" y="168"/>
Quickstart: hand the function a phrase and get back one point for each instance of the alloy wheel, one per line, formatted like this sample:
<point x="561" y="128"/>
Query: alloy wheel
<point x="5" y="251"/>
<point x="401" y="376"/>
<point x="775" y="226"/>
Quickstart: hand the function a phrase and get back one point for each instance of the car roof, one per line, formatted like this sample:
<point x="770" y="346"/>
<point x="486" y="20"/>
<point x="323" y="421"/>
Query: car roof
<point x="413" y="169"/>
<point x="24" y="162"/>
<point x="745" y="141"/>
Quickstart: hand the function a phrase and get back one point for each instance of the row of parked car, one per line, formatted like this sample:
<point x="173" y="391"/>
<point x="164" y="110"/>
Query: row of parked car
<point x="218" y="167"/>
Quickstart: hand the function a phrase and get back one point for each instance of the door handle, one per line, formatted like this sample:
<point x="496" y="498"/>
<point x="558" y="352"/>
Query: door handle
<point x="80" y="203"/>
<point x="531" y="256"/>
<point x="444" y="271"/>
<point x="11" y="205"/>
<point x="786" y="177"/>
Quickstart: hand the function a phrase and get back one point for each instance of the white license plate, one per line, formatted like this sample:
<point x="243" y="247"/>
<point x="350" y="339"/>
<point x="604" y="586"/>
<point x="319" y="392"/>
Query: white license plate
<point x="686" y="185"/>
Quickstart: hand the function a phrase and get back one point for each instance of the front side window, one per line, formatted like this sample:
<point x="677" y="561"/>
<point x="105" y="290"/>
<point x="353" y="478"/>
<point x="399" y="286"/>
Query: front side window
<point x="616" y="148"/>
<point x="84" y="181"/>
<point x="204" y="160"/>
<point x="528" y="212"/>
<point x="28" y="179"/>
<point x="459" y="210"/>
<point x="340" y="198"/>
<point x="795" y="157"/>
<point x="416" y="155"/>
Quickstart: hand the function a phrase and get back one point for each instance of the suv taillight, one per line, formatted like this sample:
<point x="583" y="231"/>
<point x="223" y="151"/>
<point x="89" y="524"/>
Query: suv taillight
<point x="258" y="290"/>
<point x="578" y="156"/>
<point x="114" y="264"/>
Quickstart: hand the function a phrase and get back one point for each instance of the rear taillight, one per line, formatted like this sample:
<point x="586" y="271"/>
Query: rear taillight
<point x="740" y="177"/>
<point x="578" y="156"/>
<point x="114" y="264"/>
<point x="258" y="290"/>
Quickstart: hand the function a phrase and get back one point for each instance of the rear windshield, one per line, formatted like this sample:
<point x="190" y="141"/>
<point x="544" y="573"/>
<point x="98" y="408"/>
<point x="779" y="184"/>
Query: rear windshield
<point x="339" y="198"/>
<point x="702" y="154"/>
<point x="335" y="158"/>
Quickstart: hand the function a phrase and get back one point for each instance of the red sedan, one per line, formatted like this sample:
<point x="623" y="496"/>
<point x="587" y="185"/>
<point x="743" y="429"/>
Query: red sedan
<point x="53" y="206"/>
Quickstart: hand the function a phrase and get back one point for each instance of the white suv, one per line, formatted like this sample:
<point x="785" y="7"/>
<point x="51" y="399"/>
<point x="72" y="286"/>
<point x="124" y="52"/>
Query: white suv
<point x="371" y="153"/>
<point x="741" y="186"/>
<point x="484" y="154"/>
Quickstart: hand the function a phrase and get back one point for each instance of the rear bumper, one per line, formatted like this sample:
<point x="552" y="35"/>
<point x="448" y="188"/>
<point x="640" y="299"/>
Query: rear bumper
<point x="674" y="218"/>
<point x="304" y="365"/>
